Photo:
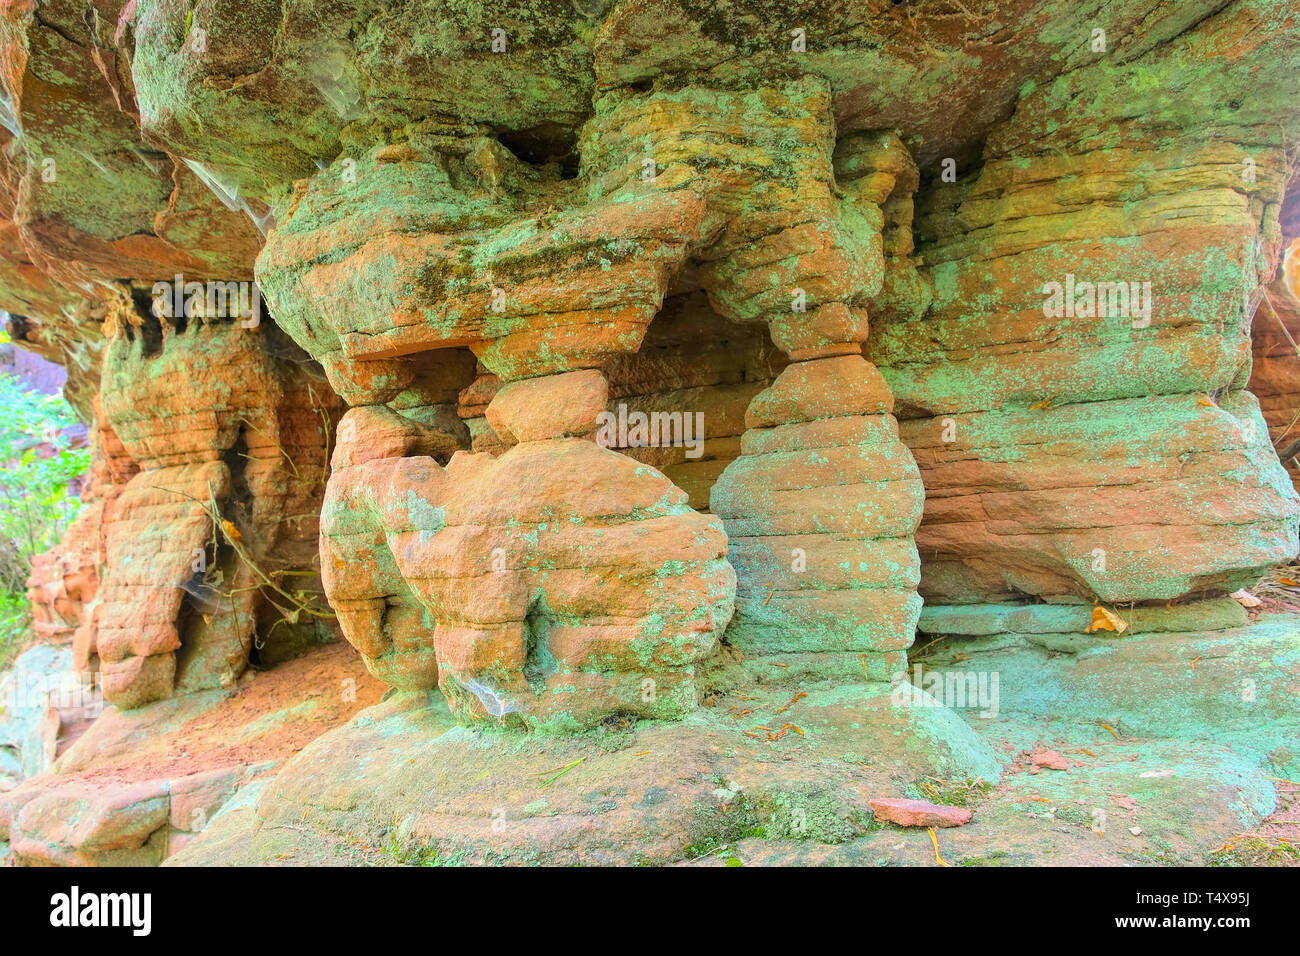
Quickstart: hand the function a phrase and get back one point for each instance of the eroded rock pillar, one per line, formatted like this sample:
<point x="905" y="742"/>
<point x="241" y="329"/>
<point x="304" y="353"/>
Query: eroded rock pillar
<point x="557" y="577"/>
<point x="823" y="503"/>
<point x="553" y="585"/>
<point x="189" y="541"/>
<point x="820" y="510"/>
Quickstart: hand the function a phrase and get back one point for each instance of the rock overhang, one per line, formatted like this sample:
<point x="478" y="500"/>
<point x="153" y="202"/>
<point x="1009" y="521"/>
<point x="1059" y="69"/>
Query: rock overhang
<point x="623" y="180"/>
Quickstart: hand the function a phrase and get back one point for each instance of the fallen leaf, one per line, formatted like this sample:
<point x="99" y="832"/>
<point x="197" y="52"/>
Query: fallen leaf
<point x="1246" y="599"/>
<point x="1106" y="620"/>
<point x="797" y="697"/>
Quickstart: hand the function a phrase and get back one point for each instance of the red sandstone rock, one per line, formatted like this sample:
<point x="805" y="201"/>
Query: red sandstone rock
<point x="824" y="388"/>
<point x="918" y="813"/>
<point x="552" y="582"/>
<point x="485" y="257"/>
<point x="1047" y="759"/>
<point x="553" y="406"/>
<point x="1275" y="368"/>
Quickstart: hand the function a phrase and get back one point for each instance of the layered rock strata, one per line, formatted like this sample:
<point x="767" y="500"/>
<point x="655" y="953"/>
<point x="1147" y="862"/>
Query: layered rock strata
<point x="1076" y="393"/>
<point x="996" y="264"/>
<point x="1275" y="369"/>
<point x="202" y="416"/>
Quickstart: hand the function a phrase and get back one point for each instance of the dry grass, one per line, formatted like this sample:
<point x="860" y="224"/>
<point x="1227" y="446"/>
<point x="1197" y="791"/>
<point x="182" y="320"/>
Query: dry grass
<point x="1280" y="589"/>
<point x="1275" y="842"/>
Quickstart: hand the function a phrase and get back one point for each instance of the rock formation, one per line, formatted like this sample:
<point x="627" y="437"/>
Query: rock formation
<point x="1275" y="370"/>
<point x="609" y="357"/>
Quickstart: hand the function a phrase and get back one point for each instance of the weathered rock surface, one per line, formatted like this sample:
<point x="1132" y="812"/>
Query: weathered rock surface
<point x="623" y="358"/>
<point x="558" y="582"/>
<point x="36" y="694"/>
<point x="139" y="785"/>
<point x="1275" y="369"/>
<point x="230" y="436"/>
<point x="649" y="793"/>
<point x="918" y="813"/>
<point x="1045" y="441"/>
<point x="710" y="788"/>
<point x="1235" y="686"/>
<point x="86" y="203"/>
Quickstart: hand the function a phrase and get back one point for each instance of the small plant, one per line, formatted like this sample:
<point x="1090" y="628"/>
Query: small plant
<point x="1255" y="850"/>
<point x="405" y="854"/>
<point x="38" y="500"/>
<point x="953" y="793"/>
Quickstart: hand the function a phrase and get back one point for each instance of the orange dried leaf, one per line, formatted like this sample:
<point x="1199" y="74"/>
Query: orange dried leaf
<point x="794" y="700"/>
<point x="1106" y="620"/>
<point x="1246" y="599"/>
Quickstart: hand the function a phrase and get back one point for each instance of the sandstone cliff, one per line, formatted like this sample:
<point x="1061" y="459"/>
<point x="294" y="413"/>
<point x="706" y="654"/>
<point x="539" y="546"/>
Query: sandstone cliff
<point x="589" y="368"/>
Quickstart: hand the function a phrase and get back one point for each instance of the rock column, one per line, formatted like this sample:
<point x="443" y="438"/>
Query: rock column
<point x="820" y="510"/>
